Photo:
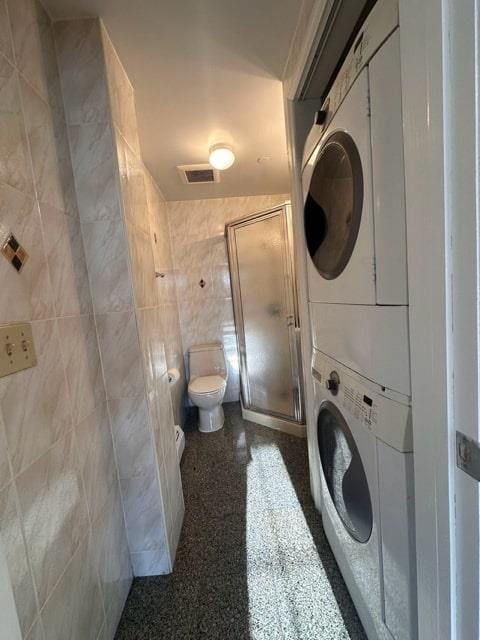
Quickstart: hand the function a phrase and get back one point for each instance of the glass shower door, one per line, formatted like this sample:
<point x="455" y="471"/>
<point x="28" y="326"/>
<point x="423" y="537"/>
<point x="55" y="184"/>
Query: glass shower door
<point x="265" y="313"/>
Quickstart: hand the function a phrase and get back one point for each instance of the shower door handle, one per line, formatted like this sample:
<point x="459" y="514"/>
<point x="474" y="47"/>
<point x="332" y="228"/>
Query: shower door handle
<point x="290" y="320"/>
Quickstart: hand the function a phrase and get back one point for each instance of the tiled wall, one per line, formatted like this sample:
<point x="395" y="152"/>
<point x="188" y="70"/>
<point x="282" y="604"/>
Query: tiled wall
<point x="157" y="320"/>
<point x="61" y="516"/>
<point x="116" y="223"/>
<point x="197" y="232"/>
<point x="167" y="293"/>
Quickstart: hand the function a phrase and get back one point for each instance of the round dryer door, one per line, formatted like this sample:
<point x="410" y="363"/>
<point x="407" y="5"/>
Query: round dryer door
<point x="333" y="208"/>
<point x="344" y="473"/>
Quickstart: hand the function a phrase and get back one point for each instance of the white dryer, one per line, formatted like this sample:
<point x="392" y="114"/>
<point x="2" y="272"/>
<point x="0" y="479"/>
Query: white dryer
<point x="354" y="211"/>
<point x="353" y="177"/>
<point x="364" y="451"/>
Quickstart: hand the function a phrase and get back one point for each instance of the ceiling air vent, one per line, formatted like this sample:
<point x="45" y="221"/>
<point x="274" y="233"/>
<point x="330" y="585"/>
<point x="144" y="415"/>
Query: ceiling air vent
<point x="198" y="173"/>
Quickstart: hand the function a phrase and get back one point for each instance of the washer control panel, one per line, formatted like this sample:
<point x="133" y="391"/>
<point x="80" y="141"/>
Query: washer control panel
<point x="364" y="401"/>
<point x="360" y="405"/>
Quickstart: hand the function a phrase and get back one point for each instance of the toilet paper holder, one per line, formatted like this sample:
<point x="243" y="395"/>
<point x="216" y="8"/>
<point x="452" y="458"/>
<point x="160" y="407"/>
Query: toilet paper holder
<point x="173" y="375"/>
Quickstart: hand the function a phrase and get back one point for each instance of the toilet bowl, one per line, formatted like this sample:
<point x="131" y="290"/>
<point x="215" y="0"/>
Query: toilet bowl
<point x="207" y="392"/>
<point x="207" y="384"/>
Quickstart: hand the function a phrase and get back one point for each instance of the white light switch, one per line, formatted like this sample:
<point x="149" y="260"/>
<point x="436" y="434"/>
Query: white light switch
<point x="17" y="351"/>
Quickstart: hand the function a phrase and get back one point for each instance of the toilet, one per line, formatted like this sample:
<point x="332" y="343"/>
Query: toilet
<point x="207" y="384"/>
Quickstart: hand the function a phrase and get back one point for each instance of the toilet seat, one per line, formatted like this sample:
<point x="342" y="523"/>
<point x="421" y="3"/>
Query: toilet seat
<point x="207" y="384"/>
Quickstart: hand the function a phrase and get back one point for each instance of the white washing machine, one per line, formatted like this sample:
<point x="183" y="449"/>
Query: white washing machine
<point x="353" y="176"/>
<point x="363" y="445"/>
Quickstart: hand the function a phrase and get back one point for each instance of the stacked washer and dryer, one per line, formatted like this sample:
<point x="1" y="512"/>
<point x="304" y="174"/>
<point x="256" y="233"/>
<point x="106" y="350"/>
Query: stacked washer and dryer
<point x="354" y="216"/>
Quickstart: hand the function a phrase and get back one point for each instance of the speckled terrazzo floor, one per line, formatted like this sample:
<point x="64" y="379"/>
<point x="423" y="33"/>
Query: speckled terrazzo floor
<point x="253" y="562"/>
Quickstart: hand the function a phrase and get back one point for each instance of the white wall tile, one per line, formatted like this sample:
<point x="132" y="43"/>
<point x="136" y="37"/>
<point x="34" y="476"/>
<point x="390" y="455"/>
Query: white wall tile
<point x="37" y="631"/>
<point x="112" y="557"/>
<point x="16" y="556"/>
<point x="143" y="267"/>
<point x="75" y="608"/>
<point x="143" y="512"/>
<point x="82" y="364"/>
<point x="106" y="254"/>
<point x="132" y="435"/>
<point x="34" y="48"/>
<point x="15" y="168"/>
<point x="44" y="146"/>
<point x="54" y="513"/>
<point x="122" y="96"/>
<point x="151" y="563"/>
<point x="121" y="354"/>
<point x="96" y="459"/>
<point x="66" y="262"/>
<point x="4" y="465"/>
<point x="95" y="170"/>
<point x="132" y="179"/>
<point x="5" y="39"/>
<point x="82" y="71"/>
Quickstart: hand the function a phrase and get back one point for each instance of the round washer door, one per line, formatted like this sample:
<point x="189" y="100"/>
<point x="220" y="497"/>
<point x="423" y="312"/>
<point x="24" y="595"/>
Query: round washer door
<point x="333" y="206"/>
<point x="344" y="472"/>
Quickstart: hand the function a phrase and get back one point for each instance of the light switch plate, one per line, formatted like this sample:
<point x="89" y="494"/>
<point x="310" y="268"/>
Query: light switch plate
<point x="17" y="351"/>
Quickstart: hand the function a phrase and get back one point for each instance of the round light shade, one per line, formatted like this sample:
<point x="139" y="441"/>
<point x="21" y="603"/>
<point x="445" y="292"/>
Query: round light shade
<point x="221" y="157"/>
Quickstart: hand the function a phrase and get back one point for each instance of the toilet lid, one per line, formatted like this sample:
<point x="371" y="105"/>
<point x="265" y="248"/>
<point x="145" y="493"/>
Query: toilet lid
<point x="207" y="384"/>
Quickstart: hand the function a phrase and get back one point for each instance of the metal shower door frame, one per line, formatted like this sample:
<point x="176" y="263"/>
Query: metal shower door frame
<point x="292" y="317"/>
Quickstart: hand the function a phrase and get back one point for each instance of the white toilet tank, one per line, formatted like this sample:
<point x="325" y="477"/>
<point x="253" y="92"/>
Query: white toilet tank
<point x="206" y="360"/>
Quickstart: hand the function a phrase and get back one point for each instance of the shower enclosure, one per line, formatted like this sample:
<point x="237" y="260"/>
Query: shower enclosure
<point x="260" y="250"/>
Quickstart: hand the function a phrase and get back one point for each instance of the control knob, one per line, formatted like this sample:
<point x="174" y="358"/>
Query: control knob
<point x="332" y="383"/>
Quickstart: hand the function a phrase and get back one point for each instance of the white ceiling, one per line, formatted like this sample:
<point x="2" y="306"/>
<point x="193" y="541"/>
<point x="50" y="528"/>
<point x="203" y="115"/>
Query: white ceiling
<point x="205" y="71"/>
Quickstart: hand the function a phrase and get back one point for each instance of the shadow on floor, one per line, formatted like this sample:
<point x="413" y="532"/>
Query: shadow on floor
<point x="253" y="562"/>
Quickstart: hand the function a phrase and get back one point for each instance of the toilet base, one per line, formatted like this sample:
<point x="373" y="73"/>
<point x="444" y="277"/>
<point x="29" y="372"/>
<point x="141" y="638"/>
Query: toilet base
<point x="211" y="419"/>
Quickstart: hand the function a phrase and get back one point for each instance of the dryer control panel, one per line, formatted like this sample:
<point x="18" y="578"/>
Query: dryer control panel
<point x="359" y="399"/>
<point x="380" y="23"/>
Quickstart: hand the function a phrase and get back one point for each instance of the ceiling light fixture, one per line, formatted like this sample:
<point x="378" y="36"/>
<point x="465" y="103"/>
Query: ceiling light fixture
<point x="221" y="156"/>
